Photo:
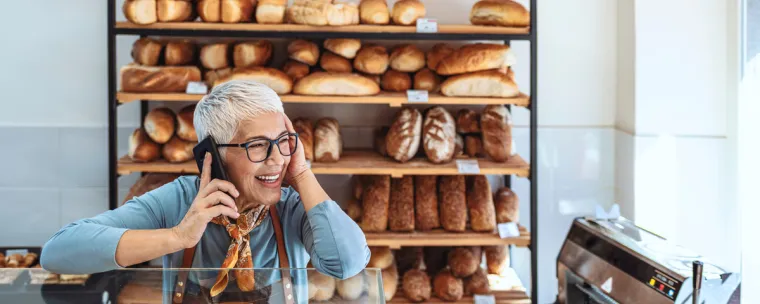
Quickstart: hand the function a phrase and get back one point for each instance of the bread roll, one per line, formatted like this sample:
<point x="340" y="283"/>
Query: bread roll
<point x="321" y="286"/>
<point x="448" y="287"/>
<point x="29" y="260"/>
<point x="462" y="262"/>
<point x="328" y="143"/>
<point x="147" y="183"/>
<point x="322" y="12"/>
<point x="143" y="79"/>
<point x="372" y="59"/>
<point x="507" y="206"/>
<point x="407" y="58"/>
<point x="406" y="12"/>
<point x="476" y="57"/>
<point x="480" y="84"/>
<point x="352" y="288"/>
<point x="185" y="127"/>
<point x="343" y="47"/>
<point x="379" y="144"/>
<point x="497" y="258"/>
<point x="211" y="76"/>
<point x="141" y="147"/>
<point x="273" y="78"/>
<point x="175" y="10"/>
<point x="458" y="146"/>
<point x="295" y="70"/>
<point x="426" y="80"/>
<point x="271" y="11"/>
<point x="305" y="129"/>
<point x="146" y="51"/>
<point x="140" y="11"/>
<point x="179" y="53"/>
<point x="426" y="202"/>
<point x="380" y="257"/>
<point x="395" y="81"/>
<point x="210" y="10"/>
<point x="453" y="203"/>
<point x="477" y="283"/>
<point x="354" y="209"/>
<point x="437" y="53"/>
<point x="375" y="203"/>
<point x="438" y="135"/>
<point x="416" y="285"/>
<point x="177" y="150"/>
<point x="215" y="56"/>
<point x="468" y="121"/>
<point x="256" y="53"/>
<point x="496" y="123"/>
<point x="403" y="138"/>
<point x="374" y="12"/>
<point x="473" y="146"/>
<point x="401" y="208"/>
<point x="334" y="63"/>
<point x="499" y="13"/>
<point x="236" y="11"/>
<point x="340" y="84"/>
<point x="303" y="51"/>
<point x="480" y="204"/>
<point x="159" y="124"/>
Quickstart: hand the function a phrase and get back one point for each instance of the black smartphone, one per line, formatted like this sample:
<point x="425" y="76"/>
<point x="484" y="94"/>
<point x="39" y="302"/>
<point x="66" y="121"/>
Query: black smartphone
<point x="217" y="168"/>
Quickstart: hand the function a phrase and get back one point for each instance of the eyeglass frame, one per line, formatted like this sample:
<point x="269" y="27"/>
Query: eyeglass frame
<point x="272" y="142"/>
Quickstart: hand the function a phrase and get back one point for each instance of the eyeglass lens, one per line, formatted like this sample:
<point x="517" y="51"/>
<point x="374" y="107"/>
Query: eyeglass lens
<point x="258" y="150"/>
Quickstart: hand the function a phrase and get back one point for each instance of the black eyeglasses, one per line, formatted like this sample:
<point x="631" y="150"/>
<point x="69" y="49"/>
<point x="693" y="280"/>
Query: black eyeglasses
<point x="258" y="150"/>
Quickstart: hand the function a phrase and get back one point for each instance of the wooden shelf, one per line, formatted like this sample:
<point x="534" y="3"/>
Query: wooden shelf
<point x="396" y="240"/>
<point x="361" y="162"/>
<point x="505" y="297"/>
<point x="390" y="98"/>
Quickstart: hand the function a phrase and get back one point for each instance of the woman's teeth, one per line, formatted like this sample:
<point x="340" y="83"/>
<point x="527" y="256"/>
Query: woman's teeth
<point x="268" y="178"/>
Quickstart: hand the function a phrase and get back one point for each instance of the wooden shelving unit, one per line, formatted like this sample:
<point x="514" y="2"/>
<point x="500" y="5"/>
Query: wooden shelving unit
<point x="501" y="297"/>
<point x="396" y="240"/>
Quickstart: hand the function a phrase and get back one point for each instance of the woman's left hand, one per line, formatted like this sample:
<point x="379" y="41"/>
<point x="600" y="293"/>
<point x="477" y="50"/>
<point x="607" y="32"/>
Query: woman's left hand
<point x="298" y="165"/>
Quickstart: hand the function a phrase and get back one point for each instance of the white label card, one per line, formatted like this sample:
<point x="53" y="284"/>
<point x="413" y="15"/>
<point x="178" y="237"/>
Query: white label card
<point x="427" y="25"/>
<point x="484" y="299"/>
<point x="417" y="95"/>
<point x="196" y="87"/>
<point x="468" y="166"/>
<point x="11" y="252"/>
<point x="508" y="230"/>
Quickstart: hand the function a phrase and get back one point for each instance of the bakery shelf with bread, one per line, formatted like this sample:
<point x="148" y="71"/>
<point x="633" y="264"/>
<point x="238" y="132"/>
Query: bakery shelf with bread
<point x="439" y="237"/>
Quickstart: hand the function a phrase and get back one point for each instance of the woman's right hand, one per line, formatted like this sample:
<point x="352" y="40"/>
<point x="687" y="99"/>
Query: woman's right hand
<point x="214" y="198"/>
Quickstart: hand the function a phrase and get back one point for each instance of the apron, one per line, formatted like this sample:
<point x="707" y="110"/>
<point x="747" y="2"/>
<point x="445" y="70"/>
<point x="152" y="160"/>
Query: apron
<point x="181" y="296"/>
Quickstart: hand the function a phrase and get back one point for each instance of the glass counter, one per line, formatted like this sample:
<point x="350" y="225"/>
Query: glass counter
<point x="156" y="285"/>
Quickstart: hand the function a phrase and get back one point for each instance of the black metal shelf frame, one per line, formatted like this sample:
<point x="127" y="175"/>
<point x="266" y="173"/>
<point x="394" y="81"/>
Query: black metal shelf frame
<point x="532" y="37"/>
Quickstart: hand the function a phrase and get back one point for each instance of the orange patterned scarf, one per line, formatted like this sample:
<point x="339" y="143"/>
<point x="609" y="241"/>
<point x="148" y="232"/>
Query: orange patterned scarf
<point x="239" y="253"/>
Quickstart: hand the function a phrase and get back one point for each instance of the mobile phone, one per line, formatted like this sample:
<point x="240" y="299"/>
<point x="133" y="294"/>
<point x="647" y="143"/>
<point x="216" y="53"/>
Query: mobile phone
<point x="217" y="168"/>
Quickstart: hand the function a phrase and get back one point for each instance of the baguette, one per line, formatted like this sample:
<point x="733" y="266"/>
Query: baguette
<point x="476" y="57"/>
<point x="480" y="84"/>
<point x="338" y="84"/>
<point x="142" y="79"/>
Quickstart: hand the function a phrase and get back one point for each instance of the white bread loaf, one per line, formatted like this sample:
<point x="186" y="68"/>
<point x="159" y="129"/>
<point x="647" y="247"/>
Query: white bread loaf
<point x="480" y="84"/>
<point x="273" y="78"/>
<point x="322" y="12"/>
<point x="271" y="11"/>
<point x="339" y="84"/>
<point x="476" y="57"/>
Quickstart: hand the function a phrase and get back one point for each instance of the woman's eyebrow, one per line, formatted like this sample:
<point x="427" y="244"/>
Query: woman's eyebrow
<point x="264" y="137"/>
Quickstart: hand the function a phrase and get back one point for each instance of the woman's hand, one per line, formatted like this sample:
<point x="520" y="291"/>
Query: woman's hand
<point x="214" y="198"/>
<point x="297" y="167"/>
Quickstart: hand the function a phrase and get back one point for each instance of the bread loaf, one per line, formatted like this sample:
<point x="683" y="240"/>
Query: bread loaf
<point x="375" y="203"/>
<point x="407" y="58"/>
<point x="436" y="53"/>
<point x="215" y="56"/>
<point x="185" y="127"/>
<point x="426" y="80"/>
<point x="322" y="12"/>
<point x="271" y="11"/>
<point x="406" y="12"/>
<point x="395" y="81"/>
<point x="426" y="202"/>
<point x="273" y="78"/>
<point x="507" y="206"/>
<point x="462" y="262"/>
<point x="343" y="47"/>
<point x="473" y="146"/>
<point x="374" y="12"/>
<point x="305" y="129"/>
<point x="496" y="123"/>
<point x="468" y="121"/>
<point x="401" y="208"/>
<point x="141" y="147"/>
<point x="448" y="287"/>
<point x="256" y="53"/>
<point x="295" y="70"/>
<point x="321" y="286"/>
<point x="372" y="59"/>
<point x="480" y="84"/>
<point x="379" y="143"/>
<point x="380" y="257"/>
<point x="177" y="150"/>
<point x="179" y="53"/>
<point x="236" y="11"/>
<point x="416" y="285"/>
<point x="476" y="57"/>
<point x="403" y="138"/>
<point x="480" y="204"/>
<point x="340" y="84"/>
<point x="303" y="51"/>
<point x="499" y="13"/>
<point x="146" y="51"/>
<point x="334" y="63"/>
<point x="438" y="135"/>
<point x="453" y="203"/>
<point x="352" y="288"/>
<point x="477" y="252"/>
<point x="140" y="11"/>
<point x="497" y="258"/>
<point x="210" y="10"/>
<point x="159" y="124"/>
<point x="328" y="144"/>
<point x="143" y="79"/>
<point x="477" y="283"/>
<point x="147" y="183"/>
<point x="458" y="146"/>
<point x="175" y="10"/>
<point x="212" y="76"/>
<point x="354" y="209"/>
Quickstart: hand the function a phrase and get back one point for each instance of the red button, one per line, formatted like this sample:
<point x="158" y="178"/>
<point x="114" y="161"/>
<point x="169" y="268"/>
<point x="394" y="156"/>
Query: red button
<point x="662" y="287"/>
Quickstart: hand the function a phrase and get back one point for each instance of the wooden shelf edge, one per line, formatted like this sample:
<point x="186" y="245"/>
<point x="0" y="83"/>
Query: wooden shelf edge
<point x="501" y="297"/>
<point x="396" y="240"/>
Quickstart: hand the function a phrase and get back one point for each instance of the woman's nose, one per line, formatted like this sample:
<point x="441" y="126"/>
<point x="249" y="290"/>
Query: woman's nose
<point x="276" y="158"/>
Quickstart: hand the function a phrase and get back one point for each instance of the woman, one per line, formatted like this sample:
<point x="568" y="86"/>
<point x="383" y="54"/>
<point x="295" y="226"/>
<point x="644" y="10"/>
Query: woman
<point x="219" y="223"/>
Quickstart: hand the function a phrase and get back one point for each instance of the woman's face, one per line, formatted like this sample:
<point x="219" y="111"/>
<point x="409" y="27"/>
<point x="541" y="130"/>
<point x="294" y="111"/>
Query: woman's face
<point x="255" y="180"/>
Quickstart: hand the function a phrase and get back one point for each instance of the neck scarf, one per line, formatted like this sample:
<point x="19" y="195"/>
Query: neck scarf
<point x="239" y="252"/>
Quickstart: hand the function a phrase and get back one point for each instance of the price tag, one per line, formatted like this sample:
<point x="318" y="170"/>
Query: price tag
<point x="11" y="252"/>
<point x="417" y="95"/>
<point x="308" y="164"/>
<point x="508" y="230"/>
<point x="484" y="299"/>
<point x="427" y="25"/>
<point x="468" y="166"/>
<point x="196" y="87"/>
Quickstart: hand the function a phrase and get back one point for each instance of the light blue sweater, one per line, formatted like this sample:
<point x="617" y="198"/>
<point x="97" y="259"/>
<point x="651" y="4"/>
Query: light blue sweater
<point x="335" y="243"/>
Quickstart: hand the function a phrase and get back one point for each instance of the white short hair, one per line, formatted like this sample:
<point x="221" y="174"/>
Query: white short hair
<point x="220" y="112"/>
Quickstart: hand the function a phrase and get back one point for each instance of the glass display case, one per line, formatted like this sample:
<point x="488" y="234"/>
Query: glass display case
<point x="156" y="285"/>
